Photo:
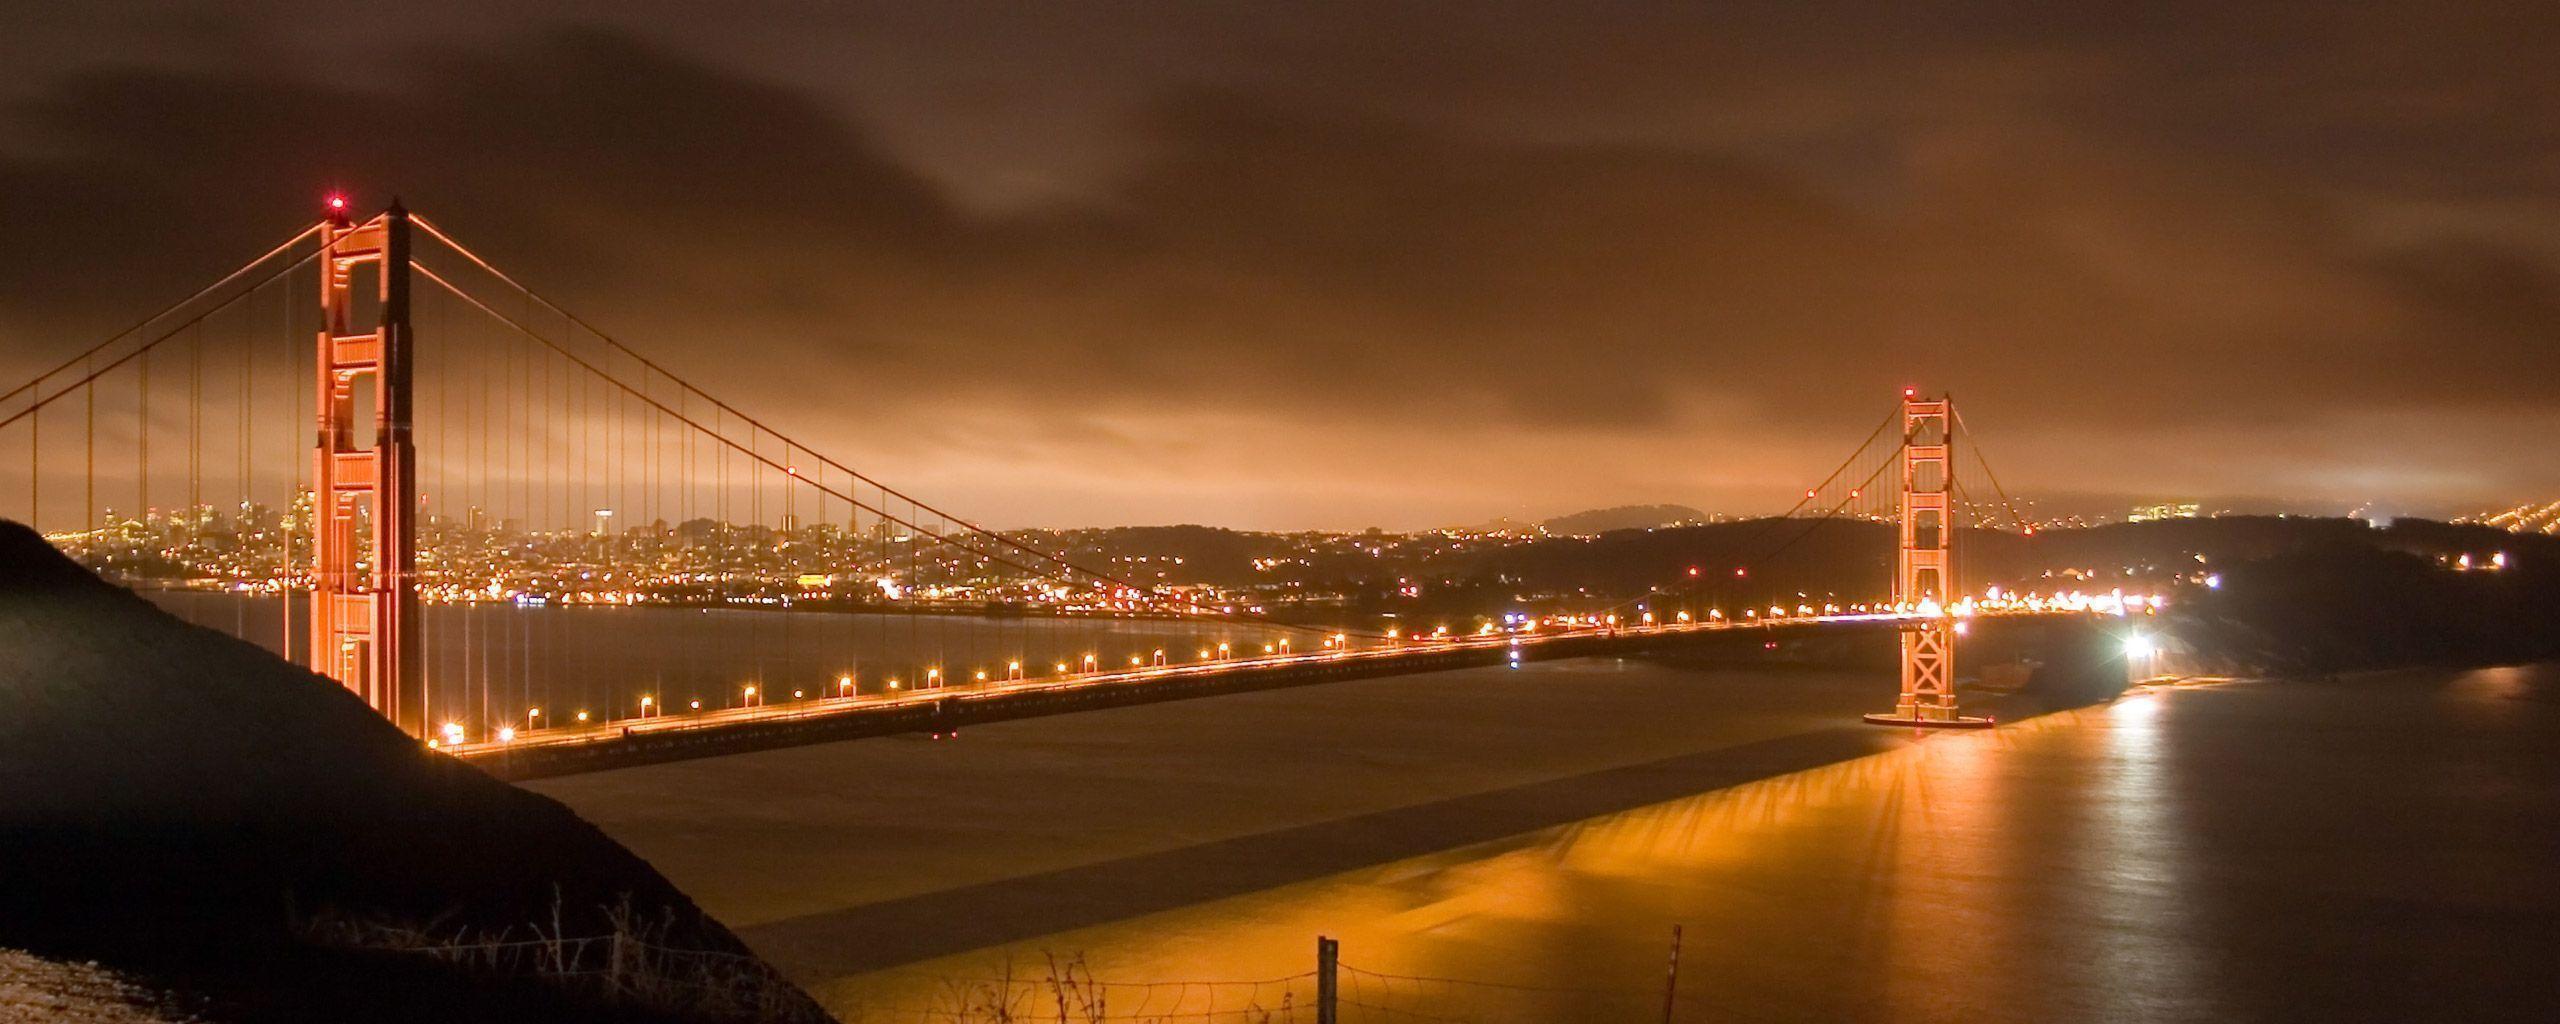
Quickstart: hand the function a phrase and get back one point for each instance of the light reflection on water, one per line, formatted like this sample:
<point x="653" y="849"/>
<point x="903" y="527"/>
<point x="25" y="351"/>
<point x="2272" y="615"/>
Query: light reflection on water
<point x="2246" y="852"/>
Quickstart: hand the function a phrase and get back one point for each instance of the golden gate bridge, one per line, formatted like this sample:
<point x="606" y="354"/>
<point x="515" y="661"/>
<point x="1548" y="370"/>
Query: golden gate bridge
<point x="376" y="488"/>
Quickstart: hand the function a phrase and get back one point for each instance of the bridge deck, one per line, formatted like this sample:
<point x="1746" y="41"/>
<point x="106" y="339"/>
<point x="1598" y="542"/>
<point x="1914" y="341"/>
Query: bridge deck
<point x="628" y="742"/>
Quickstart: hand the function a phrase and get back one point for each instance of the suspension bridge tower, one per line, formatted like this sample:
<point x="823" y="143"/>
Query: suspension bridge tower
<point x="1924" y="568"/>
<point x="364" y="604"/>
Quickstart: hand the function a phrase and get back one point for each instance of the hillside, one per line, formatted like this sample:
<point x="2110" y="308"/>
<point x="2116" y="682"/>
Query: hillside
<point x="1622" y="517"/>
<point x="196" y="814"/>
<point x="2285" y="594"/>
<point x="1783" y="556"/>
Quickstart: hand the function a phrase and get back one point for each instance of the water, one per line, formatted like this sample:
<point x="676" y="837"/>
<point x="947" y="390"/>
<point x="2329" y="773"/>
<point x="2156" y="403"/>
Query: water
<point x="486" y="665"/>
<point x="2373" y="849"/>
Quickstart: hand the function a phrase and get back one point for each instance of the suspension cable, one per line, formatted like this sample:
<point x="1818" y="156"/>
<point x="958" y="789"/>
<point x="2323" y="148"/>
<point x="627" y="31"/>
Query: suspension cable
<point x="1773" y="523"/>
<point x="1975" y="447"/>
<point x="751" y="422"/>
<point x="45" y="400"/>
<point x="171" y="308"/>
<point x="730" y="444"/>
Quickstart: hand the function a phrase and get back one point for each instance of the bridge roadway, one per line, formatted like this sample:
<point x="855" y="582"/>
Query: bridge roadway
<point x="673" y="737"/>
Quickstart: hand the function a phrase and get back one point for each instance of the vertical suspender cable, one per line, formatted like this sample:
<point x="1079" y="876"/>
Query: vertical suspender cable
<point x="142" y="430"/>
<point x="293" y="478"/>
<point x="35" y="469"/>
<point x="195" y="419"/>
<point x="89" y="507"/>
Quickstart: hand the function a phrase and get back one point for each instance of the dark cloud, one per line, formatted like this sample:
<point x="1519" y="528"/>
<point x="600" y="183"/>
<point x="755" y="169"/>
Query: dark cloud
<point x="1529" y="262"/>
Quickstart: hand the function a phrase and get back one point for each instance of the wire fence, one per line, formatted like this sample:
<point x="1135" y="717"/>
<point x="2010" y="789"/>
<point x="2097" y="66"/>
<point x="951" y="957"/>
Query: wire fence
<point x="635" y="964"/>
<point x="1065" y="991"/>
<point x="1057" y="990"/>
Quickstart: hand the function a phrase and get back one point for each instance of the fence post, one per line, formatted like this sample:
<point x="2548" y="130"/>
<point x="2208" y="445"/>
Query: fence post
<point x="613" y="963"/>
<point x="1328" y="955"/>
<point x="1671" y="983"/>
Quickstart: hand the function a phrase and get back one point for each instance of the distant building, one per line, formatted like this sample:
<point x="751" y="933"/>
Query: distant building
<point x="2171" y="510"/>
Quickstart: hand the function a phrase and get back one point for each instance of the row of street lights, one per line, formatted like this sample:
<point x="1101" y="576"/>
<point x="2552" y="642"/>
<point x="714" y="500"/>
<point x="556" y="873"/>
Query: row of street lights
<point x="752" y="696"/>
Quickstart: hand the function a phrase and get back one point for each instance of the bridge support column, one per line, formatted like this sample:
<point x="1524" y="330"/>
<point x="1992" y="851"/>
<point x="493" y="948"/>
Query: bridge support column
<point x="1924" y="569"/>
<point x="364" y="474"/>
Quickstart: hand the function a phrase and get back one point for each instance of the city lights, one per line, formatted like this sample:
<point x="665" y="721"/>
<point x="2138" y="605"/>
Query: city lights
<point x="814" y="335"/>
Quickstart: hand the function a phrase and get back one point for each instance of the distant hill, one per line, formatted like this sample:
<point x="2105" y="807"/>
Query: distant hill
<point x="189" y="807"/>
<point x="1596" y="521"/>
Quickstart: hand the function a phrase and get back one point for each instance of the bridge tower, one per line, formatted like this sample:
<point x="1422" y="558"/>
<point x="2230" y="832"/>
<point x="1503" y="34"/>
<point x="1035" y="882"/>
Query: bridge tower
<point x="1924" y="567"/>
<point x="364" y="605"/>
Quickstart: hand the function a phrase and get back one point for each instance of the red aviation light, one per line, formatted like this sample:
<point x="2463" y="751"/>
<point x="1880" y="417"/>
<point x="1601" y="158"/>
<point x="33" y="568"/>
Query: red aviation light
<point x="337" y="204"/>
<point x="1911" y="392"/>
<point x="1739" y="573"/>
<point x="1693" y="570"/>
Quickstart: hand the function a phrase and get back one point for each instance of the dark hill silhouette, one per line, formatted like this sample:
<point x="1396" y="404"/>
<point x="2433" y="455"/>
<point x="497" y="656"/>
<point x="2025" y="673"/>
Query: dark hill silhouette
<point x="2335" y="605"/>
<point x="1621" y="517"/>
<point x="187" y="806"/>
<point x="1851" y="557"/>
<point x="2297" y="595"/>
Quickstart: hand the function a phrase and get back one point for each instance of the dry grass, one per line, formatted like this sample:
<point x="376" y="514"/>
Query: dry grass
<point x="1065" y="991"/>
<point x="633" y="965"/>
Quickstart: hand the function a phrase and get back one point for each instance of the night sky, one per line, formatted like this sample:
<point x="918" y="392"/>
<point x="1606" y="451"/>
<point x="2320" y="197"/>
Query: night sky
<point x="1335" y="265"/>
